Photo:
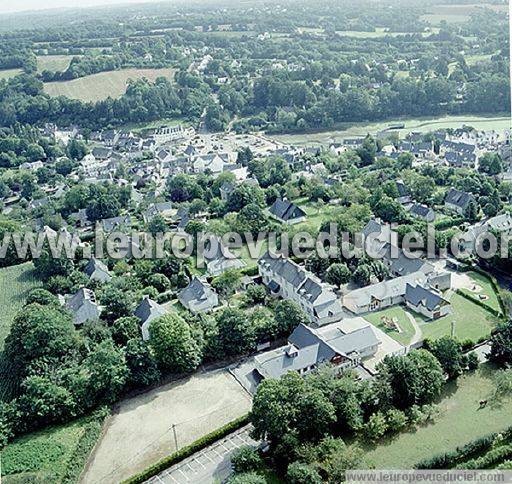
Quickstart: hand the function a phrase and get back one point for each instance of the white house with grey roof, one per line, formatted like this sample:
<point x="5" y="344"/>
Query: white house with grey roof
<point x="147" y="311"/>
<point x="308" y="348"/>
<point x="426" y="301"/>
<point x="97" y="271"/>
<point x="290" y="281"/>
<point x="218" y="258"/>
<point x="499" y="225"/>
<point x="199" y="296"/>
<point x="83" y="306"/>
<point x="287" y="212"/>
<point x="164" y="209"/>
<point x="422" y="212"/>
<point x="458" y="201"/>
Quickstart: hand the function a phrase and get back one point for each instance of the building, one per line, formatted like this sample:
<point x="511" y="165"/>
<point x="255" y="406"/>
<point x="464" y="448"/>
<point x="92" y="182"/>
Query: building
<point x="163" y="209"/>
<point x="427" y="302"/>
<point x="287" y="212"/>
<point x="198" y="296"/>
<point x="458" y="201"/>
<point x="422" y="212"/>
<point x="83" y="307"/>
<point x="382" y="295"/>
<point x="97" y="271"/>
<point x="290" y="281"/>
<point x="309" y="348"/>
<point x="219" y="258"/>
<point x="501" y="224"/>
<point x="147" y="311"/>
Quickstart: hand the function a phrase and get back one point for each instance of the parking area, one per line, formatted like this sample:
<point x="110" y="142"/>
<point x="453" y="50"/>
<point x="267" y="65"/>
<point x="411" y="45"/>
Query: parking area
<point x="208" y="466"/>
<point x="146" y="428"/>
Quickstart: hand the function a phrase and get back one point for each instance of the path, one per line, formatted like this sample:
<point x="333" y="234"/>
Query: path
<point x="209" y="465"/>
<point x="418" y="334"/>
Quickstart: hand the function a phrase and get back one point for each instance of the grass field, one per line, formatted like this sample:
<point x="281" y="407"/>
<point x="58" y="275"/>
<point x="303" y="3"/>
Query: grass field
<point x="471" y="321"/>
<point x="348" y="130"/>
<point x="484" y="287"/>
<point x="460" y="421"/>
<point x="54" y="63"/>
<point x="380" y="32"/>
<point x="15" y="284"/>
<point x="56" y="454"/>
<point x="8" y="73"/>
<point x="403" y="321"/>
<point x="102" y="85"/>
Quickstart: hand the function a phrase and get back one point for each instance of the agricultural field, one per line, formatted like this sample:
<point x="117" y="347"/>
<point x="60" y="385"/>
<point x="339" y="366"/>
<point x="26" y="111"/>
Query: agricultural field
<point x="56" y="454"/>
<point x="15" y="284"/>
<point x="8" y="73"/>
<point x="425" y="125"/>
<point x="104" y="84"/>
<point x="461" y="420"/>
<point x="54" y="63"/>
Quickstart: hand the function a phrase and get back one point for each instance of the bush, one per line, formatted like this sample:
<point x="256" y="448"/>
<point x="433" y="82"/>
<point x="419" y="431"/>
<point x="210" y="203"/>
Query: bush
<point x="249" y="478"/>
<point x="473" y="361"/>
<point x="396" y="420"/>
<point x="246" y="459"/>
<point x="375" y="428"/>
<point x="299" y="473"/>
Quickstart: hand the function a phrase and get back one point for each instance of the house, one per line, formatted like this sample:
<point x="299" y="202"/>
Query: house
<point x="417" y="210"/>
<point x="500" y="224"/>
<point x="213" y="163"/>
<point x="287" y="212"/>
<point x="458" y="201"/>
<point x="427" y="302"/>
<point x="290" y="281"/>
<point x="226" y="189"/>
<point x="97" y="271"/>
<point x="404" y="197"/>
<point x="101" y="153"/>
<point x="308" y="348"/>
<point x="461" y="160"/>
<point x="402" y="264"/>
<point x="80" y="218"/>
<point x="147" y="311"/>
<point x="198" y="296"/>
<point x="115" y="223"/>
<point x="83" y="306"/>
<point x="164" y="209"/>
<point x="382" y="295"/>
<point x="219" y="258"/>
<point x="31" y="166"/>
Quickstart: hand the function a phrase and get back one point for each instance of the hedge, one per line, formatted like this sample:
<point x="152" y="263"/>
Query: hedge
<point x="448" y="223"/>
<point x="189" y="450"/>
<point x="491" y="459"/>
<point x="480" y="303"/>
<point x="450" y="459"/>
<point x="90" y="436"/>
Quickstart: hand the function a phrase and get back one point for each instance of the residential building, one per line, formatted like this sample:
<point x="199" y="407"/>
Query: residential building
<point x="97" y="271"/>
<point x="147" y="311"/>
<point x="83" y="307"/>
<point x="427" y="302"/>
<point x="198" y="296"/>
<point x="219" y="258"/>
<point x="458" y="201"/>
<point x="287" y="212"/>
<point x="417" y="210"/>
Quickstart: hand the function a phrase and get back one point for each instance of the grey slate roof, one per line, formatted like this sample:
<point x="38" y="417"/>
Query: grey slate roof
<point x="418" y="295"/>
<point x="197" y="290"/>
<point x="97" y="271"/>
<point x="286" y="211"/>
<point x="148" y="310"/>
<point x="459" y="198"/>
<point x="420" y="210"/>
<point x="83" y="306"/>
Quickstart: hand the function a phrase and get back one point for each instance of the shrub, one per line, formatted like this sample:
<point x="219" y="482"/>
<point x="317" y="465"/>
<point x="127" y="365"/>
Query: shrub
<point x="376" y="427"/>
<point x="248" y="478"/>
<point x="396" y="420"/>
<point x="299" y="473"/>
<point x="246" y="459"/>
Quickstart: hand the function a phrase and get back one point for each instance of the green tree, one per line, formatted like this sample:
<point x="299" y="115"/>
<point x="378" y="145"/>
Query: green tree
<point x="501" y="345"/>
<point x="338" y="274"/>
<point x="448" y="352"/>
<point x="174" y="345"/>
<point x="299" y="473"/>
<point x="288" y="315"/>
<point x="236" y="334"/>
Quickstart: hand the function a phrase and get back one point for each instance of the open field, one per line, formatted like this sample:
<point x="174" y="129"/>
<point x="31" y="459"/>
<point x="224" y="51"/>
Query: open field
<point x="15" y="284"/>
<point x="380" y="32"/>
<point x="471" y="321"/>
<point x="349" y="130"/>
<point x="54" y="63"/>
<point x="460" y="421"/>
<point x="102" y="85"/>
<point x="402" y="320"/>
<point x="55" y="454"/>
<point x="140" y="431"/>
<point x="8" y="73"/>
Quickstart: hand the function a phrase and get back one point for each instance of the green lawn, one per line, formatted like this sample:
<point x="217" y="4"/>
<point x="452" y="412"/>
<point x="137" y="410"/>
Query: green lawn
<point x="471" y="321"/>
<point x="8" y="73"/>
<point x="484" y="288"/>
<point x="316" y="214"/>
<point x="15" y="284"/>
<point x="403" y="321"/>
<point x="54" y="63"/>
<point x="460" y="421"/>
<point x="55" y="454"/>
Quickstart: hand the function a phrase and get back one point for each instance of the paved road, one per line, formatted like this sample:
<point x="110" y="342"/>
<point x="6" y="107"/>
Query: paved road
<point x="417" y="330"/>
<point x="209" y="465"/>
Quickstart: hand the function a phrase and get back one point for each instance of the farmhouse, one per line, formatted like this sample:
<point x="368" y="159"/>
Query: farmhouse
<point x="198" y="296"/>
<point x="309" y="348"/>
<point x="83" y="306"/>
<point x="147" y="311"/>
<point x="288" y="280"/>
<point x="287" y="212"/>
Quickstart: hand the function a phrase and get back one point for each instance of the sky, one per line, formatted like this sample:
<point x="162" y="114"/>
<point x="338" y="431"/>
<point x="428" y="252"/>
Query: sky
<point x="9" y="6"/>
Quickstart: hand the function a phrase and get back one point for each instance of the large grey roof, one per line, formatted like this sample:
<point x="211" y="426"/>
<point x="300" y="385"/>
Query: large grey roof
<point x="285" y="210"/>
<point x="417" y="295"/>
<point x="458" y="198"/>
<point x="197" y="290"/>
<point x="147" y="310"/>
